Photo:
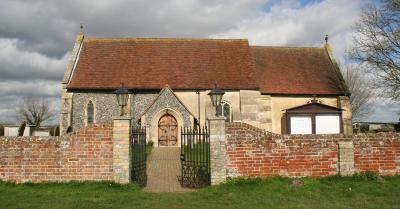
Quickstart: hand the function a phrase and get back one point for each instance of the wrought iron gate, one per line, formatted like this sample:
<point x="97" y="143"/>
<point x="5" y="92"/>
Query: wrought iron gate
<point x="195" y="158"/>
<point x="139" y="156"/>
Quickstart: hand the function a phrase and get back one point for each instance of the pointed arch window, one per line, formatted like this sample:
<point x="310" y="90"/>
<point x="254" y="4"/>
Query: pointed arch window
<point x="224" y="109"/>
<point x="90" y="112"/>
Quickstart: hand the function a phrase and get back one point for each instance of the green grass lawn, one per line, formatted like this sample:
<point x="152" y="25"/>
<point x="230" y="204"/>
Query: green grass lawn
<point x="352" y="192"/>
<point x="197" y="152"/>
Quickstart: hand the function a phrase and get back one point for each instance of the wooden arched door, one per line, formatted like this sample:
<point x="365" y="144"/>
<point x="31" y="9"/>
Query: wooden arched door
<point x="167" y="131"/>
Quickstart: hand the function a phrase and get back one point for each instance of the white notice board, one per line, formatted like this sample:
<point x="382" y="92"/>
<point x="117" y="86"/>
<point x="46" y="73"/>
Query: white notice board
<point x="327" y="124"/>
<point x="300" y="125"/>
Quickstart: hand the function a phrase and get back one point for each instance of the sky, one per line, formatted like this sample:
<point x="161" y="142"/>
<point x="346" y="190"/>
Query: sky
<point x="36" y="36"/>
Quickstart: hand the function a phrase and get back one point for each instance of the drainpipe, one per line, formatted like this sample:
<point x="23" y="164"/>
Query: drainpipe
<point x="198" y="106"/>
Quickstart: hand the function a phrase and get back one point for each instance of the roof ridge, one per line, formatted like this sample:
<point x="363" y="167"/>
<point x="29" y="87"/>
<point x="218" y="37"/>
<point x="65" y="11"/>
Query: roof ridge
<point x="287" y="47"/>
<point x="92" y="39"/>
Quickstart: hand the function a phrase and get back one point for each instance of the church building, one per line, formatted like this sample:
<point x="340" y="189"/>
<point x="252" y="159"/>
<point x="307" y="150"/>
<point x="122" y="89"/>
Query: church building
<point x="284" y="90"/>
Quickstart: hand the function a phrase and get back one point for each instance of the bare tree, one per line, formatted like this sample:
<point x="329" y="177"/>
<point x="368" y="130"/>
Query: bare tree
<point x="362" y="95"/>
<point x="34" y="111"/>
<point x="377" y="44"/>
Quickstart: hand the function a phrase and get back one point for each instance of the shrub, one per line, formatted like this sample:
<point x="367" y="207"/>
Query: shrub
<point x="55" y="131"/>
<point x="397" y="127"/>
<point x="243" y="181"/>
<point x="364" y="128"/>
<point x="150" y="143"/>
<point x="149" y="147"/>
<point x="368" y="175"/>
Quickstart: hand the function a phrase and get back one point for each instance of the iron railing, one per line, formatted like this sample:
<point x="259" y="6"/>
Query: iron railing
<point x="195" y="157"/>
<point x="139" y="156"/>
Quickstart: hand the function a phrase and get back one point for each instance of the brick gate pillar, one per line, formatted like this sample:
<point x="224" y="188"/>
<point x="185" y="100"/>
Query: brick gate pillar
<point x="121" y="149"/>
<point x="217" y="149"/>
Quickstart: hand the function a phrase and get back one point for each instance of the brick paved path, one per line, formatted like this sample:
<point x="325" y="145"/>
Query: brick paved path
<point x="163" y="167"/>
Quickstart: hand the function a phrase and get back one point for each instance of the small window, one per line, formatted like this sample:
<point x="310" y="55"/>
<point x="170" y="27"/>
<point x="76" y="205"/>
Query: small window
<point x="90" y="112"/>
<point x="224" y="109"/>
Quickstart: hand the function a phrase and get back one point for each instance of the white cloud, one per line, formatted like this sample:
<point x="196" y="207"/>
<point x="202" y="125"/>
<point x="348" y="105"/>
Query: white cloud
<point x="25" y="73"/>
<point x="384" y="112"/>
<point x="38" y="88"/>
<point x="17" y="64"/>
<point x="35" y="36"/>
<point x="48" y="26"/>
<point x="9" y="104"/>
<point x="289" y="24"/>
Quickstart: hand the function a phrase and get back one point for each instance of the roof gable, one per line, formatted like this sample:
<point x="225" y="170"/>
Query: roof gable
<point x="314" y="107"/>
<point x="166" y="94"/>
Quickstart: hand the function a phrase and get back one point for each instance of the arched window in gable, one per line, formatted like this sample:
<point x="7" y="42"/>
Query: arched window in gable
<point x="224" y="109"/>
<point x="90" y="113"/>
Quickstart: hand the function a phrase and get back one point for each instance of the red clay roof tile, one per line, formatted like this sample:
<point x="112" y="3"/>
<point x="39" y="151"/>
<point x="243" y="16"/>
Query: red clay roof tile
<point x="153" y="63"/>
<point x="296" y="70"/>
<point x="203" y="63"/>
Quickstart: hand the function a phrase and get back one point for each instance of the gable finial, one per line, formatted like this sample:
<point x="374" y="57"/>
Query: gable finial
<point x="326" y="38"/>
<point x="314" y="99"/>
<point x="80" y="36"/>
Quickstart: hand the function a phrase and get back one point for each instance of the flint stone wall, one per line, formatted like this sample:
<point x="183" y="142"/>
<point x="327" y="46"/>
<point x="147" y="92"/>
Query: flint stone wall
<point x="106" y="106"/>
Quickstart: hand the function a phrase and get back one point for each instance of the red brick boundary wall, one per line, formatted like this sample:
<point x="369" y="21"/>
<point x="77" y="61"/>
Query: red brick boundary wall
<point x="377" y="152"/>
<point x="254" y="153"/>
<point x="242" y="150"/>
<point x="86" y="155"/>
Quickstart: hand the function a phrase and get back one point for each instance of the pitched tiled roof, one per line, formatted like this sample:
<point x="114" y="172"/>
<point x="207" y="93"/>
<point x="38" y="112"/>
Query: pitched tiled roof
<point x="147" y="63"/>
<point x="153" y="63"/>
<point x="295" y="70"/>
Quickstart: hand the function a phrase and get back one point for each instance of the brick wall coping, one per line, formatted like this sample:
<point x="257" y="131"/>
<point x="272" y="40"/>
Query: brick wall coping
<point x="66" y="137"/>
<point x="336" y="137"/>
